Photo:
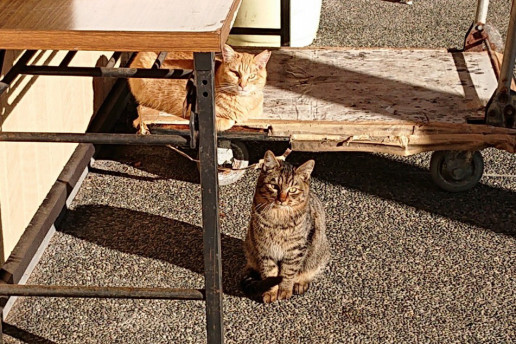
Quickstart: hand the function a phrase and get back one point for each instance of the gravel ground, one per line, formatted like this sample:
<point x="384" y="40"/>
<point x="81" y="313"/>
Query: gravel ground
<point x="411" y="263"/>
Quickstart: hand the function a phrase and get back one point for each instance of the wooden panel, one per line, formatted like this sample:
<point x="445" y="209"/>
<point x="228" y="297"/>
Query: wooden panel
<point x="377" y="84"/>
<point x="28" y="170"/>
<point x="126" y="25"/>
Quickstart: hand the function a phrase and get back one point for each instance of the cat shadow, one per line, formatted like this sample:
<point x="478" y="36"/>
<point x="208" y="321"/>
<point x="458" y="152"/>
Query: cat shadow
<point x="156" y="237"/>
<point x="483" y="206"/>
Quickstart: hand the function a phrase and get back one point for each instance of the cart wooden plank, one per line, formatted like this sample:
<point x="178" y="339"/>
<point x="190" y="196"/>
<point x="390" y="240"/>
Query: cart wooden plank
<point x="121" y="25"/>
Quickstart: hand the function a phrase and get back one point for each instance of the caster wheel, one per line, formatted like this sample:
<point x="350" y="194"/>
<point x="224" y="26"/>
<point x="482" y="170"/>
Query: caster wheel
<point x="231" y="154"/>
<point x="456" y="171"/>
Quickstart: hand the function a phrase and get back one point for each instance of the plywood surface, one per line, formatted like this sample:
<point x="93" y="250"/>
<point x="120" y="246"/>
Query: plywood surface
<point x="381" y="84"/>
<point x="127" y="25"/>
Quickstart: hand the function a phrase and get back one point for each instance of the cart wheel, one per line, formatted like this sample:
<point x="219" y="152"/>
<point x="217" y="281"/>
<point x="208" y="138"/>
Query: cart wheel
<point x="231" y="154"/>
<point x="456" y="171"/>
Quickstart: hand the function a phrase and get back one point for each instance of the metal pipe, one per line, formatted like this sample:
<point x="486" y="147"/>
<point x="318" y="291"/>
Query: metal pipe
<point x="228" y="135"/>
<point x="482" y="7"/>
<point x="95" y="138"/>
<point x="101" y="292"/>
<point x="108" y="72"/>
<point x="113" y="59"/>
<point x="159" y="60"/>
<point x="509" y="55"/>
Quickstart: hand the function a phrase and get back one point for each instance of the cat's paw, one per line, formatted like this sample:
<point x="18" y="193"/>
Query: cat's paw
<point x="284" y="293"/>
<point x="270" y="295"/>
<point x="301" y="288"/>
<point x="224" y="124"/>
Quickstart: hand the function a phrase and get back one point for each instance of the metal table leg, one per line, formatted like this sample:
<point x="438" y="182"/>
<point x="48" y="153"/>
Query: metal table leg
<point x="204" y="77"/>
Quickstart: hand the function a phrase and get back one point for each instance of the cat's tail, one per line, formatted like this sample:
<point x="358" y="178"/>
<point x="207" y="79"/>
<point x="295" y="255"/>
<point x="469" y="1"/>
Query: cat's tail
<point x="253" y="285"/>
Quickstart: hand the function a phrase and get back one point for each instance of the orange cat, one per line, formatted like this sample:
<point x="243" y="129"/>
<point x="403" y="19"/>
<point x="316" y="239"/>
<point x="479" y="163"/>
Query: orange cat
<point x="239" y="82"/>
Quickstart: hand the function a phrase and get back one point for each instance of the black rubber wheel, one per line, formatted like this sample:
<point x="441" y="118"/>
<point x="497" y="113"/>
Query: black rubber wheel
<point x="231" y="154"/>
<point x="456" y="171"/>
<point x="240" y="159"/>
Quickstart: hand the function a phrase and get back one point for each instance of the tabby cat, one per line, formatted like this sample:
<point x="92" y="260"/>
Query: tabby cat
<point x="239" y="82"/>
<point x="286" y="240"/>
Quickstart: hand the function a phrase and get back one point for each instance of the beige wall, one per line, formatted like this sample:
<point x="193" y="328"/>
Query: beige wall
<point x="47" y="104"/>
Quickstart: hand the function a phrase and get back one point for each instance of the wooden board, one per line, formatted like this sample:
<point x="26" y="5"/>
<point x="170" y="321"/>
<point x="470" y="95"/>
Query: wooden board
<point x="122" y="25"/>
<point x="377" y="84"/>
<point x="377" y="100"/>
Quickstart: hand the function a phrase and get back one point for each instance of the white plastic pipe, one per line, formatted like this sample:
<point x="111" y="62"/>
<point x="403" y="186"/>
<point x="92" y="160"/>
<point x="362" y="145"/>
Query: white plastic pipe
<point x="481" y="16"/>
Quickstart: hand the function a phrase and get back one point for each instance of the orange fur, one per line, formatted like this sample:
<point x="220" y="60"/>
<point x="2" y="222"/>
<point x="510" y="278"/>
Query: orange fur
<point x="239" y="82"/>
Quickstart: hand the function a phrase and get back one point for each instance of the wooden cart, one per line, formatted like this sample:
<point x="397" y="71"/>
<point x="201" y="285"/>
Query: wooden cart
<point x="398" y="101"/>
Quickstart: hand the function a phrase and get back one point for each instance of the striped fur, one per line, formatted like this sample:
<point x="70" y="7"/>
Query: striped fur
<point x="286" y="240"/>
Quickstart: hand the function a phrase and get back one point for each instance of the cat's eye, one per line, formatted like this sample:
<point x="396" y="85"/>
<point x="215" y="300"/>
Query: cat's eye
<point x="237" y="74"/>
<point x="293" y="190"/>
<point x="252" y="76"/>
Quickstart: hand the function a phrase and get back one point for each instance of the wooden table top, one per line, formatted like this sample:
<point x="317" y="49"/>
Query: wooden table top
<point x="116" y="25"/>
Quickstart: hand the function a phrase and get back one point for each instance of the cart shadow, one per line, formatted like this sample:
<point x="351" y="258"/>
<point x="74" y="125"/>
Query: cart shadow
<point x="373" y="95"/>
<point x="160" y="162"/>
<point x="154" y="237"/>
<point x="483" y="206"/>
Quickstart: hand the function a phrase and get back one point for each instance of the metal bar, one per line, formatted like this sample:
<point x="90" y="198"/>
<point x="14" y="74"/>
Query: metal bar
<point x="68" y="58"/>
<point x="113" y="59"/>
<point x="108" y="72"/>
<point x="481" y="15"/>
<point x="95" y="138"/>
<point x="101" y="292"/>
<point x="228" y="135"/>
<point x="255" y="31"/>
<point x="285" y="22"/>
<point x="204" y="81"/>
<point x="506" y="73"/>
<point x="15" y="70"/>
<point x="159" y="60"/>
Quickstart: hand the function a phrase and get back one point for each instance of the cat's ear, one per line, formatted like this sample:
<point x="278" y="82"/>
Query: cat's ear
<point x="228" y="53"/>
<point x="262" y="58"/>
<point x="306" y="169"/>
<point x="269" y="161"/>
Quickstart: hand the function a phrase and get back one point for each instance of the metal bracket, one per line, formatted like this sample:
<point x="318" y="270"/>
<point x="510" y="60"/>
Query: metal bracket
<point x="501" y="109"/>
<point x="475" y="38"/>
